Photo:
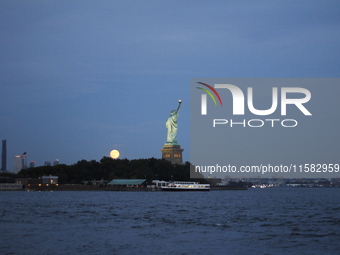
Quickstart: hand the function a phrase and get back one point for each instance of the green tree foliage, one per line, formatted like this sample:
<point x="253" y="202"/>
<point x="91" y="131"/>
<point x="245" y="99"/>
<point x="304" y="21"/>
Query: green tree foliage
<point x="108" y="169"/>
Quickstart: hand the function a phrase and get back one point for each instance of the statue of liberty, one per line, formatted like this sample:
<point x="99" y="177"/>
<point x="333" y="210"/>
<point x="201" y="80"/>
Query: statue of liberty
<point x="172" y="125"/>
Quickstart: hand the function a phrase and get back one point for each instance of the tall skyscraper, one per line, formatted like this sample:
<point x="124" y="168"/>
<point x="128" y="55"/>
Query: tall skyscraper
<point x="56" y="162"/>
<point x="4" y="156"/>
<point x="18" y="164"/>
<point x="32" y="164"/>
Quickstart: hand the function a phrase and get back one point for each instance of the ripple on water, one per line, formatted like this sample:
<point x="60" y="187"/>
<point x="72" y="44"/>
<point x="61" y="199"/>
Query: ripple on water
<point x="277" y="221"/>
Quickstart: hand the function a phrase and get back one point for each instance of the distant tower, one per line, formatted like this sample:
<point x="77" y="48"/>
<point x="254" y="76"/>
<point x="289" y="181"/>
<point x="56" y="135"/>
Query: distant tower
<point x="18" y="164"/>
<point x="32" y="164"/>
<point x="47" y="163"/>
<point x="4" y="156"/>
<point x="56" y="162"/>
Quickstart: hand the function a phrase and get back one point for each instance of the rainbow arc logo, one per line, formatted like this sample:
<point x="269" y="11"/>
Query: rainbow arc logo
<point x="204" y="97"/>
<point x="210" y="94"/>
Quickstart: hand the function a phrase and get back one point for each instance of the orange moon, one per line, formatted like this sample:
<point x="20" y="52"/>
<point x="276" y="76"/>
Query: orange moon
<point x="114" y="154"/>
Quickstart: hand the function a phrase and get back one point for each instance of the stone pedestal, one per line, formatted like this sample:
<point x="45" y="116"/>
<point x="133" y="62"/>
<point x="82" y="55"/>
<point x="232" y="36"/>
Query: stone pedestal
<point x="173" y="153"/>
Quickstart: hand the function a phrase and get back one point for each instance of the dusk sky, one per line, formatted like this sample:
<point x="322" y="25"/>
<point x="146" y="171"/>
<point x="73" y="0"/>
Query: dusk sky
<point x="81" y="78"/>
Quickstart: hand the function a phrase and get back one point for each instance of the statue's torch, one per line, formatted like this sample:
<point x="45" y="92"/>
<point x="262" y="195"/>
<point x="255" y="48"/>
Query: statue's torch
<point x="179" y="105"/>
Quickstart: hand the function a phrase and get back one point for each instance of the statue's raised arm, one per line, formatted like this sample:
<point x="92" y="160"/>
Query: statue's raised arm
<point x="179" y="105"/>
<point x="172" y="125"/>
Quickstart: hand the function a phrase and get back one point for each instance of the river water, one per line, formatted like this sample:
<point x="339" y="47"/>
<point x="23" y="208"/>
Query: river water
<point x="255" y="221"/>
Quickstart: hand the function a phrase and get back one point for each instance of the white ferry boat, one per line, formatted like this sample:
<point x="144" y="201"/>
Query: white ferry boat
<point x="181" y="186"/>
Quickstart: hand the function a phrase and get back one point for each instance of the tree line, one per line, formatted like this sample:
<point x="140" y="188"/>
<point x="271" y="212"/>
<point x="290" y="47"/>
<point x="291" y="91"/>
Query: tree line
<point x="108" y="169"/>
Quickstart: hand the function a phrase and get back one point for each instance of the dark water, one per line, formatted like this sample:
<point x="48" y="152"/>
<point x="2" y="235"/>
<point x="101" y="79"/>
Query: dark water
<point x="257" y="221"/>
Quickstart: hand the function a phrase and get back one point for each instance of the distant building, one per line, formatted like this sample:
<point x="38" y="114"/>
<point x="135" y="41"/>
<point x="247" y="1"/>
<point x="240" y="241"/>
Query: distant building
<point x="56" y="162"/>
<point x="18" y="164"/>
<point x="127" y="184"/>
<point x="32" y="164"/>
<point x="47" y="163"/>
<point x="47" y="180"/>
<point x="4" y="156"/>
<point x="42" y="183"/>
